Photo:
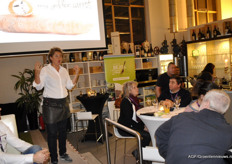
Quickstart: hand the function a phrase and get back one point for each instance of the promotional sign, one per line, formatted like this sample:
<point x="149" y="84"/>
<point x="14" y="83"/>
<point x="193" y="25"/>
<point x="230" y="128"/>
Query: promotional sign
<point x="119" y="68"/>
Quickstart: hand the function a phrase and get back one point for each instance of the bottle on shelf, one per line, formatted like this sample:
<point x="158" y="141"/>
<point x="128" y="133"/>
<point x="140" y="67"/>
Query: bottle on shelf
<point x="215" y="32"/>
<point x="101" y="55"/>
<point x="123" y="51"/>
<point x="199" y="35"/>
<point x="218" y="32"/>
<point x="142" y="51"/>
<point x="151" y="50"/>
<point x="202" y="34"/>
<point x="193" y="36"/>
<point x="149" y="53"/>
<point x="137" y="52"/>
<point x="84" y="56"/>
<point x="71" y="57"/>
<point x="95" y="55"/>
<point x="208" y="33"/>
<point x="129" y="50"/>
<point x="145" y="53"/>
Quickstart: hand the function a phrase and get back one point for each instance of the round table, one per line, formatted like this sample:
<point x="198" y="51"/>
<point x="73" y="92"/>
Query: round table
<point x="152" y="122"/>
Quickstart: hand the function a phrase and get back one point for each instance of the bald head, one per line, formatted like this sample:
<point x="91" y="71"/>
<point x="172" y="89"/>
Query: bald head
<point x="216" y="100"/>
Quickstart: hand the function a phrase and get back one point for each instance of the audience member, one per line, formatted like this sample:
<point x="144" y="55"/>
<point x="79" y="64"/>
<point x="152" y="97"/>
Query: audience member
<point x="163" y="79"/>
<point x="197" y="137"/>
<point x="168" y="96"/>
<point x="129" y="106"/>
<point x="55" y="80"/>
<point x="30" y="153"/>
<point x="199" y="90"/>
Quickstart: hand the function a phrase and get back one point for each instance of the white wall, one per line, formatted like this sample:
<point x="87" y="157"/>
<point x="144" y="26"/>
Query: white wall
<point x="158" y="12"/>
<point x="226" y="9"/>
<point x="12" y="66"/>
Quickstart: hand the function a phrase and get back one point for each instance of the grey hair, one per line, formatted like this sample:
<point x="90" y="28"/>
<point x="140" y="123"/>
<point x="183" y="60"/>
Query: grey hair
<point x="127" y="87"/>
<point x="219" y="100"/>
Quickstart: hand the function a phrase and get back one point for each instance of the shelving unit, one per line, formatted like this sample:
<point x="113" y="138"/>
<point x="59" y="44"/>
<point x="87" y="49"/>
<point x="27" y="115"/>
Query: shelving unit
<point x="147" y="63"/>
<point x="92" y="76"/>
<point x="95" y="79"/>
<point x="145" y="92"/>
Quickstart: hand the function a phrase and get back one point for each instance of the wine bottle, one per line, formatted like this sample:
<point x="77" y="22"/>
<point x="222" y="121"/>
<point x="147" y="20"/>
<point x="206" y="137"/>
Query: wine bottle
<point x="129" y="51"/>
<point x="142" y="51"/>
<point x="208" y="33"/>
<point x="149" y="53"/>
<point x="151" y="50"/>
<point x="71" y="57"/>
<point x="101" y="55"/>
<point x="214" y="32"/>
<point x="202" y="34"/>
<point x="218" y="32"/>
<point x="95" y="55"/>
<point x="199" y="34"/>
<point x="137" y="52"/>
<point x="145" y="52"/>
<point x="193" y="36"/>
<point x="84" y="56"/>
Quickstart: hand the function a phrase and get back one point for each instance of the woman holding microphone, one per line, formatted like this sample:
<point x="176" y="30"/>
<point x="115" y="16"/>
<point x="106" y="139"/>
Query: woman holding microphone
<point x="55" y="80"/>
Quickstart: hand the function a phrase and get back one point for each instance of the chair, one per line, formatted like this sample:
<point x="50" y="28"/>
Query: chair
<point x="114" y="112"/>
<point x="10" y="121"/>
<point x="88" y="116"/>
<point x="119" y="136"/>
<point x="151" y="153"/>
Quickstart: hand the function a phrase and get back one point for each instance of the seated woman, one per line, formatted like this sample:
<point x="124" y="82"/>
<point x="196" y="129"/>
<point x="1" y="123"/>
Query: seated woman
<point x="128" y="107"/>
<point x="199" y="90"/>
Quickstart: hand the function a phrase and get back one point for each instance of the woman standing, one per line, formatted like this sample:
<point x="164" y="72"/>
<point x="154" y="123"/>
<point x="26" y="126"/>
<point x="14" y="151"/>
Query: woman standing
<point x="207" y="73"/>
<point x="128" y="107"/>
<point x="55" y="80"/>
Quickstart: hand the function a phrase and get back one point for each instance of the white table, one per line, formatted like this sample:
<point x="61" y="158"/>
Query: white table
<point x="152" y="122"/>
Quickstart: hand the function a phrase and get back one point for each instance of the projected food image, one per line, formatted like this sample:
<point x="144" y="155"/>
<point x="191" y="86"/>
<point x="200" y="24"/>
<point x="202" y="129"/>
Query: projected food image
<point x="66" y="17"/>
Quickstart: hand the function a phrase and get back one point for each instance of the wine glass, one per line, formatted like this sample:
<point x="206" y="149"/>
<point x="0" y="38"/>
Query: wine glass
<point x="148" y="101"/>
<point x="177" y="102"/>
<point x="155" y="102"/>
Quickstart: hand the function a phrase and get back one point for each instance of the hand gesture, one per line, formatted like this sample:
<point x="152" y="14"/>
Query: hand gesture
<point x="38" y="67"/>
<point x="41" y="156"/>
<point x="76" y="69"/>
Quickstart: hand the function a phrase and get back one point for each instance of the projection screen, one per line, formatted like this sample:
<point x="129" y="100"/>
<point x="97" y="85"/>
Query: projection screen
<point x="34" y="26"/>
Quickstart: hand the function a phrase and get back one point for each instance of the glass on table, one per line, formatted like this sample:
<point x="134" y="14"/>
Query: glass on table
<point x="177" y="102"/>
<point x="166" y="109"/>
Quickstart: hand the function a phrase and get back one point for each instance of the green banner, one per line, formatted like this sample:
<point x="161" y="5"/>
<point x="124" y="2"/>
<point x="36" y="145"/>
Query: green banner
<point x="119" y="68"/>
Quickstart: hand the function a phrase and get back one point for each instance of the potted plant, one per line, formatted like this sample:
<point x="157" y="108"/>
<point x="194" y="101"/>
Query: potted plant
<point x="29" y="98"/>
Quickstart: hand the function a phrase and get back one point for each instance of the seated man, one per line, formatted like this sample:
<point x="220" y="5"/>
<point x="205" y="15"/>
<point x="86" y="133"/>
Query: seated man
<point x="169" y="95"/>
<point x="202" y="137"/>
<point x="30" y="153"/>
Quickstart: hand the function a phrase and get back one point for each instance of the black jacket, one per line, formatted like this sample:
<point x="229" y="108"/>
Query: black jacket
<point x="193" y="138"/>
<point x="126" y="113"/>
<point x="183" y="93"/>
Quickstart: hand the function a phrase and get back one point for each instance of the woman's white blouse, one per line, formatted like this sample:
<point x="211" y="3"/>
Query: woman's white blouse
<point x="55" y="83"/>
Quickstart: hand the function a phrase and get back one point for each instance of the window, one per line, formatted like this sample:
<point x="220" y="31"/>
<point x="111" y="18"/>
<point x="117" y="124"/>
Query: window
<point x="127" y="17"/>
<point x="205" y="11"/>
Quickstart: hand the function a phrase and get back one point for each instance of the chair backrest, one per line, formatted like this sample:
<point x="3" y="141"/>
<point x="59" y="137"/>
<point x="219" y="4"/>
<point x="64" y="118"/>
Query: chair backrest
<point x="84" y="115"/>
<point x="130" y="131"/>
<point x="117" y="134"/>
<point x="10" y="121"/>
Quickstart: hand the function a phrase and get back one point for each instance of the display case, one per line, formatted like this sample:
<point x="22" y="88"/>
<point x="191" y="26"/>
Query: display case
<point x="217" y="51"/>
